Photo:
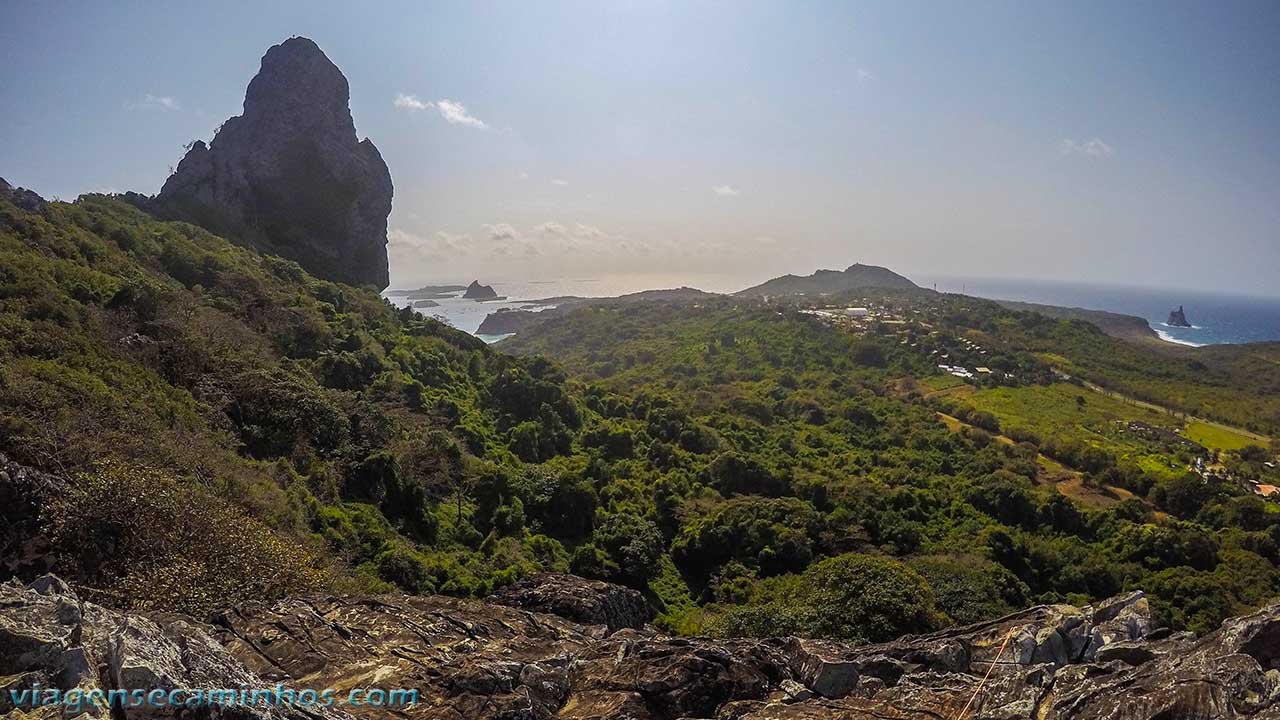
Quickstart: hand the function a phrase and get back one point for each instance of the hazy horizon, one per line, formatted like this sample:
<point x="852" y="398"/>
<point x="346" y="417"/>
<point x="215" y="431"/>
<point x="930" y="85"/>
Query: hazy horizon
<point x="1127" y="145"/>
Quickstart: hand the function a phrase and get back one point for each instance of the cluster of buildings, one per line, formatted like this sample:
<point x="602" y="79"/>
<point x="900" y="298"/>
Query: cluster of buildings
<point x="965" y="347"/>
<point x="855" y="318"/>
<point x="961" y="371"/>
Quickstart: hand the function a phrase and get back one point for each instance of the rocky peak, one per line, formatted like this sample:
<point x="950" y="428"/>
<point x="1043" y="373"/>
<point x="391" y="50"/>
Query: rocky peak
<point x="289" y="176"/>
<point x="298" y="83"/>
<point x="22" y="197"/>
<point x="1178" y="318"/>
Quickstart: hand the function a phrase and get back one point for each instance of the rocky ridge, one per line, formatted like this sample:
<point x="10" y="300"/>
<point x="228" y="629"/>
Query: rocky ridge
<point x="471" y="659"/>
<point x="289" y="176"/>
<point x="23" y="198"/>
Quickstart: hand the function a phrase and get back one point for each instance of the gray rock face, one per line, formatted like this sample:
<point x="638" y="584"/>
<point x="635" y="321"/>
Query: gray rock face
<point x="51" y="640"/>
<point x="25" y="199"/>
<point x="590" y="602"/>
<point x="289" y="176"/>
<point x="479" y="660"/>
<point x="24" y="549"/>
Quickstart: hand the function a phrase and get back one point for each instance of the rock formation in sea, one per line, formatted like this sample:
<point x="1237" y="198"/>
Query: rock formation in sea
<point x="559" y="647"/>
<point x="289" y="176"/>
<point x="476" y="291"/>
<point x="1178" y="318"/>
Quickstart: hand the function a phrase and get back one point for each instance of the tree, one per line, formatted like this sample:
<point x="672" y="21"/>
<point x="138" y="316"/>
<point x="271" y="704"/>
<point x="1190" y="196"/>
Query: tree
<point x="632" y="546"/>
<point x="970" y="589"/>
<point x="861" y="598"/>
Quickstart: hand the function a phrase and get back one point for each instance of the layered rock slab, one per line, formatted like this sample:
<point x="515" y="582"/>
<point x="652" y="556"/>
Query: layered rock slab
<point x="471" y="659"/>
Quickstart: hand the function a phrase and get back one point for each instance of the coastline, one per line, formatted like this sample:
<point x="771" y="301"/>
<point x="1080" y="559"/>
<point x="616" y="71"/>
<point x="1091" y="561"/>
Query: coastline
<point x="1168" y="338"/>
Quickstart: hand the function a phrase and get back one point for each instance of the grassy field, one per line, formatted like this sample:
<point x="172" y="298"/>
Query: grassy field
<point x="1215" y="437"/>
<point x="1057" y="411"/>
<point x="1056" y="475"/>
<point x="1049" y="410"/>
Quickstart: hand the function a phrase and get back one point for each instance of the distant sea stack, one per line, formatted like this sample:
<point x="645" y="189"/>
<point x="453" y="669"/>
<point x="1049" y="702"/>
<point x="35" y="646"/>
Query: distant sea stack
<point x="824" y="282"/>
<point x="476" y="291"/>
<point x="1178" y="318"/>
<point x="289" y="176"/>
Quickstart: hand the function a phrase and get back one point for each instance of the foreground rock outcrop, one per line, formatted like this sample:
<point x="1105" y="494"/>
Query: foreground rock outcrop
<point x="289" y="176"/>
<point x="25" y="551"/>
<point x="590" y="602"/>
<point x="471" y="659"/>
<point x="50" y="640"/>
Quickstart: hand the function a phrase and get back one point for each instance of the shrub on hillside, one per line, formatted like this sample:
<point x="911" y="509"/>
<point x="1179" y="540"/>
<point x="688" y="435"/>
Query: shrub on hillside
<point x="861" y="598"/>
<point x="141" y="540"/>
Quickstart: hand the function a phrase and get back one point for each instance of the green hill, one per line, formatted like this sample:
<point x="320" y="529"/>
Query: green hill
<point x="825" y="282"/>
<point x="230" y="427"/>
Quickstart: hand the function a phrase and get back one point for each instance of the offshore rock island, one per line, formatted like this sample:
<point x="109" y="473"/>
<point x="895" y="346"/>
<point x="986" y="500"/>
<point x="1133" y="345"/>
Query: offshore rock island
<point x="1178" y="318"/>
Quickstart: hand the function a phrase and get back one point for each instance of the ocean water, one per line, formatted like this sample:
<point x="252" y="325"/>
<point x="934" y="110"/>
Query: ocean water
<point x="466" y="315"/>
<point x="1215" y="318"/>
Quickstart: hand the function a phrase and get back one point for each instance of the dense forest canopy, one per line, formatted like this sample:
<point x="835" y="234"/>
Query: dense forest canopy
<point x="233" y="427"/>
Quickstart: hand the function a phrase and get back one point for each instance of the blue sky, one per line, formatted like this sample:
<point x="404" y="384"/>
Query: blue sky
<point x="1103" y="142"/>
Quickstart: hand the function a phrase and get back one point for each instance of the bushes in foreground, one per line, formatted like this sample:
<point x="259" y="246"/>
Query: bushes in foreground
<point x="143" y="541"/>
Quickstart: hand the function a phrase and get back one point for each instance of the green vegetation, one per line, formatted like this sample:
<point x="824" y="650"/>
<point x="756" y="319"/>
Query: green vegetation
<point x="753" y="468"/>
<point x="237" y="429"/>
<point x="775" y="440"/>
<point x="1217" y="437"/>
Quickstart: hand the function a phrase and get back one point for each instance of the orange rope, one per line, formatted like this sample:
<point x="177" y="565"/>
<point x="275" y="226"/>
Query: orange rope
<point x="983" y="681"/>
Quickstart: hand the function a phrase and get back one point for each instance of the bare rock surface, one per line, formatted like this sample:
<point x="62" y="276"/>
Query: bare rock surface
<point x="51" y="640"/>
<point x="24" y="549"/>
<point x="591" y="602"/>
<point x="471" y="659"/>
<point x="289" y="176"/>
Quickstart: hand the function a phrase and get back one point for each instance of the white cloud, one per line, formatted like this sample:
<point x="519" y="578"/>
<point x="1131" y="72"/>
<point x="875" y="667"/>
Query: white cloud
<point x="410" y="250"/>
<point x="156" y="102"/>
<point x="410" y="102"/>
<point x="865" y="75"/>
<point x="560" y="182"/>
<point x="551" y="228"/>
<point x="453" y="112"/>
<point x="589" y="232"/>
<point x="502" y="232"/>
<point x="726" y="191"/>
<point x="1092" y="148"/>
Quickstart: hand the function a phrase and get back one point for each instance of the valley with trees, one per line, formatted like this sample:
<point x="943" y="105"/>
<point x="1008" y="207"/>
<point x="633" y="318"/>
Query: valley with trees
<point x="240" y="476"/>
<point x="733" y="458"/>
